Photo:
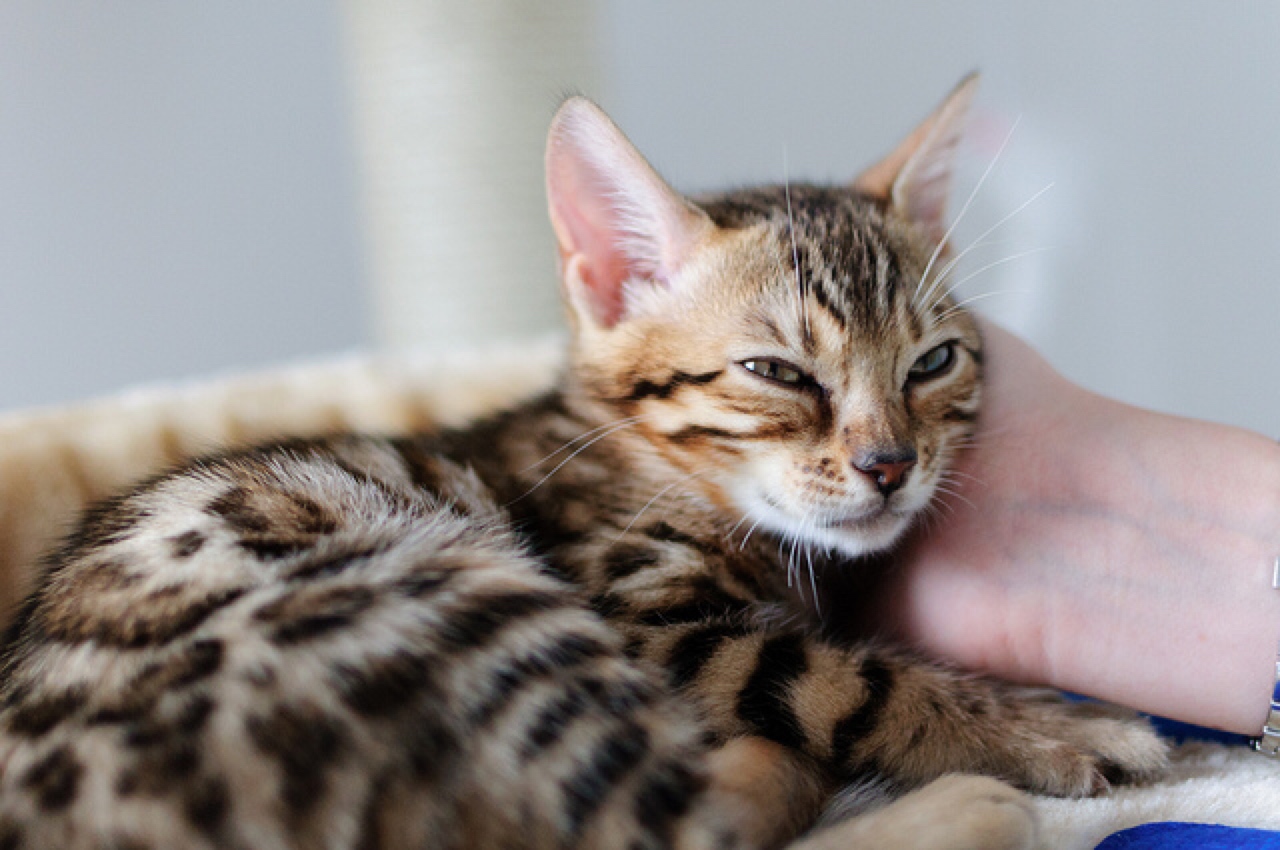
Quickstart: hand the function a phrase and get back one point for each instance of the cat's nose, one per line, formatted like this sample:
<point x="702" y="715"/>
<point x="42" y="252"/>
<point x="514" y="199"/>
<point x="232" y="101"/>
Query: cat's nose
<point x="887" y="468"/>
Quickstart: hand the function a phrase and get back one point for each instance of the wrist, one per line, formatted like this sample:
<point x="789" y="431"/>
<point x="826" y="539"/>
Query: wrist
<point x="1186" y="622"/>
<point x="1268" y="742"/>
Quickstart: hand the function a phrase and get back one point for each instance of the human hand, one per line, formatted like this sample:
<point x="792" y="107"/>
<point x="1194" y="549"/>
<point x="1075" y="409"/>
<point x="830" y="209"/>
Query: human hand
<point x="1100" y="548"/>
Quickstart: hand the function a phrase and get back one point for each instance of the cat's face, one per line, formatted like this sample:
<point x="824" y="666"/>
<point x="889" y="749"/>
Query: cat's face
<point x="783" y="348"/>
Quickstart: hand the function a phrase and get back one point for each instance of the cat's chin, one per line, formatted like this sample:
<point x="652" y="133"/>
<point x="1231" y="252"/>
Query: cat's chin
<point x="852" y="537"/>
<point x="856" y="538"/>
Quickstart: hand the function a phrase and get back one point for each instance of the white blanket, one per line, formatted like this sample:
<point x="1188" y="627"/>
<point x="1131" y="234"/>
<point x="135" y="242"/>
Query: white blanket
<point x="1208" y="783"/>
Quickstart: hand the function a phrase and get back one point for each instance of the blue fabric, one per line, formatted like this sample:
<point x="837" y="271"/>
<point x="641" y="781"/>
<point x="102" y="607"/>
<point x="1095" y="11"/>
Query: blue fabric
<point x="1180" y="732"/>
<point x="1191" y="836"/>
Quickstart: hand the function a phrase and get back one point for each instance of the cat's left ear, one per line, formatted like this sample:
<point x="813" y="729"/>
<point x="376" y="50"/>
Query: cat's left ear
<point x="618" y="224"/>
<point x="916" y="177"/>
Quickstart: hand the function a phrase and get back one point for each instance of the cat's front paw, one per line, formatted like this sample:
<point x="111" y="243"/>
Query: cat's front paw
<point x="1078" y="749"/>
<point x="956" y="812"/>
<point x="959" y="812"/>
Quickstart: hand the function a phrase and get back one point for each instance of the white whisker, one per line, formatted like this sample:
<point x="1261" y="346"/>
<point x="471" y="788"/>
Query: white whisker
<point x="737" y="525"/>
<point x="1009" y="259"/>
<point x="686" y="479"/>
<point x="978" y="243"/>
<point x="937" y="511"/>
<point x="618" y="427"/>
<point x="791" y="557"/>
<point x="750" y="531"/>
<point x="932" y="515"/>
<point x="956" y="308"/>
<point x="813" y="581"/>
<point x="795" y="251"/>
<point x="957" y="473"/>
<point x="948" y="491"/>
<point x="583" y="436"/>
<point x="992" y="229"/>
<point x="964" y="209"/>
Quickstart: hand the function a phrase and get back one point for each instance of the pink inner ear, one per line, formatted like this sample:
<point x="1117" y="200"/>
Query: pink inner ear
<point x="615" y="218"/>
<point x="592" y="239"/>
<point x="603" y="270"/>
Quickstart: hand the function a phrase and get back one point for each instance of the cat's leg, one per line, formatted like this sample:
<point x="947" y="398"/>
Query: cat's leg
<point x="867" y="709"/>
<point x="772" y="792"/>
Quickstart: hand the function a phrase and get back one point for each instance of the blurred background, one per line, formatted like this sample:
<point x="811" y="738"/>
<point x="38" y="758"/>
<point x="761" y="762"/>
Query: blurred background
<point x="192" y="188"/>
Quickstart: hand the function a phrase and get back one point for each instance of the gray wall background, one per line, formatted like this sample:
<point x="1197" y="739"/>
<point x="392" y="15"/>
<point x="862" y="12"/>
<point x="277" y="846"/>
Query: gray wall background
<point x="177" y="192"/>
<point x="181" y="184"/>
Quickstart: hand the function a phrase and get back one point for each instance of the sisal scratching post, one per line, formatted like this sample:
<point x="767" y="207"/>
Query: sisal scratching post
<point x="451" y="103"/>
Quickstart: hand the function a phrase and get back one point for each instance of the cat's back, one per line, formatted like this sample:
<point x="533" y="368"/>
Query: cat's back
<point x="316" y="644"/>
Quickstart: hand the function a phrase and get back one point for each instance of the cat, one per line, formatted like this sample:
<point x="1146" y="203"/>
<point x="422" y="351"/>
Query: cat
<point x="578" y="623"/>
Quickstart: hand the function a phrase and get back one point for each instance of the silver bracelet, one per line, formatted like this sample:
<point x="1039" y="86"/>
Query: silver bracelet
<point x="1268" y="743"/>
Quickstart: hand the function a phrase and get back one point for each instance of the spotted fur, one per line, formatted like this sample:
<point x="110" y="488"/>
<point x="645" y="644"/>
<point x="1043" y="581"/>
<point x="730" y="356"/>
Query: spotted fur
<point x="588" y="622"/>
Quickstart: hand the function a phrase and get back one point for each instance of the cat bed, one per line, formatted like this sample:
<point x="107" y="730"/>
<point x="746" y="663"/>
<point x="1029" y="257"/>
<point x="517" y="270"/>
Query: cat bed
<point x="54" y="461"/>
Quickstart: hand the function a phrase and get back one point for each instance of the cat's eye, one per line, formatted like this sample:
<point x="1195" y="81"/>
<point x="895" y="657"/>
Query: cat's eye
<point x="777" y="371"/>
<point x="932" y="363"/>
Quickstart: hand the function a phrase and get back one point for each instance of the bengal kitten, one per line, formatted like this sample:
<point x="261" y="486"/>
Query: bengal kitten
<point x="574" y="624"/>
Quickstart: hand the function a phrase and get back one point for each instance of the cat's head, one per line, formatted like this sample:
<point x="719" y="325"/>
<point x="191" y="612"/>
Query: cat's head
<point x="790" y="349"/>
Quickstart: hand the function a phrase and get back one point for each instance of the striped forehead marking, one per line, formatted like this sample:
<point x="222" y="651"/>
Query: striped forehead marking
<point x="847" y="263"/>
